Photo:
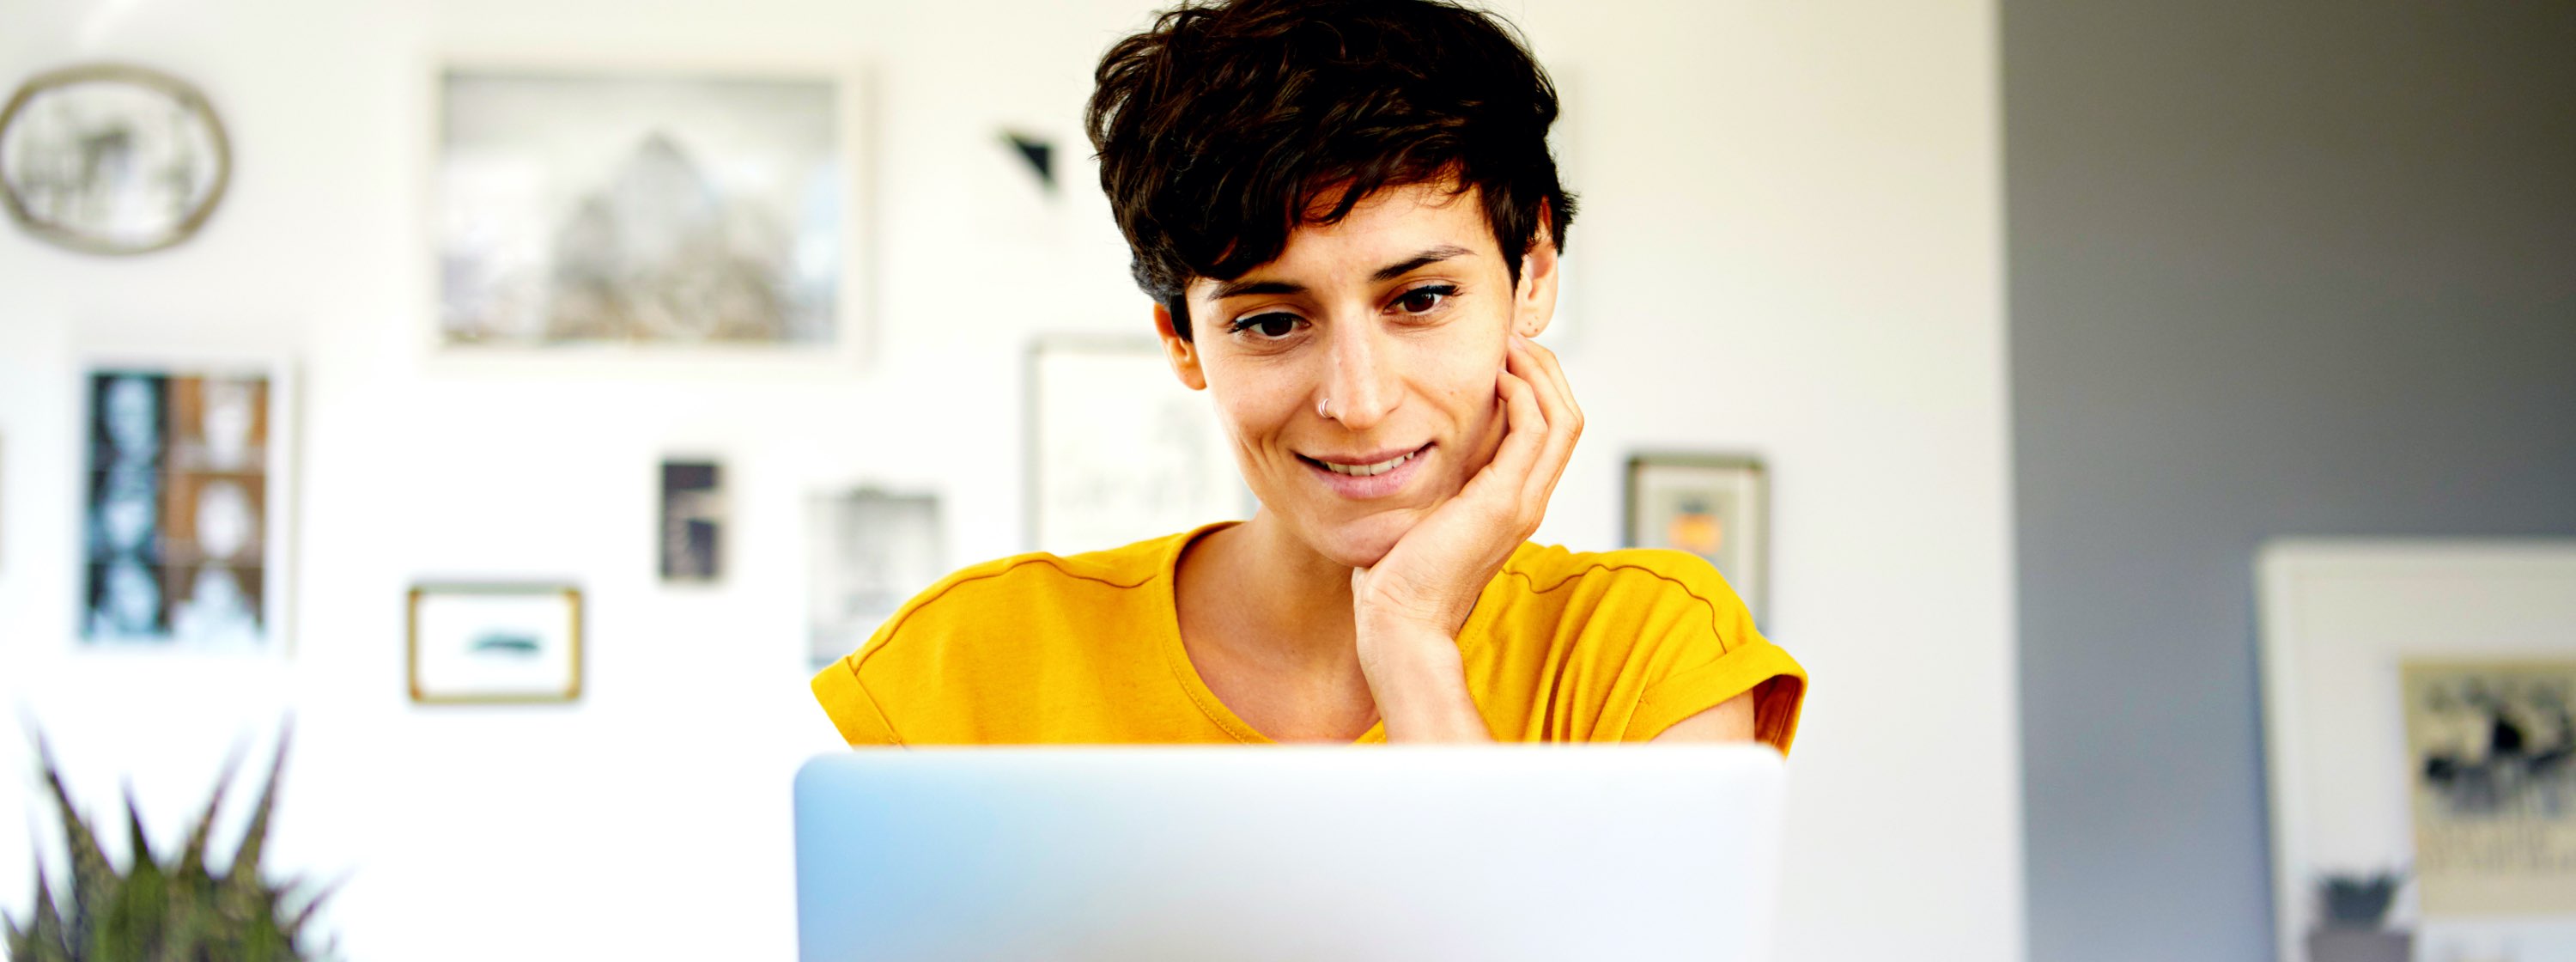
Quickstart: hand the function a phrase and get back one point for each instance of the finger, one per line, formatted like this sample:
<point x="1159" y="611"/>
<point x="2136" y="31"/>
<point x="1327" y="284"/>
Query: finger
<point x="1538" y="366"/>
<point x="1565" y="423"/>
<point x="1524" y="438"/>
<point x="1556" y="377"/>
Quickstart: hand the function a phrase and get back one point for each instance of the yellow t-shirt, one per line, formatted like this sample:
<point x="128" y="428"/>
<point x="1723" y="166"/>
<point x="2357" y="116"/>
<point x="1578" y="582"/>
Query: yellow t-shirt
<point x="1040" y="649"/>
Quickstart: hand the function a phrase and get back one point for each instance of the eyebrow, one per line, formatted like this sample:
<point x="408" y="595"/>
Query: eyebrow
<point x="1428" y="257"/>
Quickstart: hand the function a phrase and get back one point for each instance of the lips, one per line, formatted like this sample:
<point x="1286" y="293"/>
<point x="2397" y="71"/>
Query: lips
<point x="1366" y="474"/>
<point x="1370" y="469"/>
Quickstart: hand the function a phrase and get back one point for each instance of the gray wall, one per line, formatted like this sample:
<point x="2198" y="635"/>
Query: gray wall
<point x="2277" y="268"/>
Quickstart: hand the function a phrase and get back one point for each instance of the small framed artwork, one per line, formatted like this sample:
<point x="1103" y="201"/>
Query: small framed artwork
<point x="111" y="158"/>
<point x="868" y="552"/>
<point x="184" y="537"/>
<point x="1120" y="451"/>
<point x="1714" y="506"/>
<point x="2419" y="722"/>
<point x="2491" y="754"/>
<point x="693" y="520"/>
<point x="494" y="643"/>
<point x="634" y="210"/>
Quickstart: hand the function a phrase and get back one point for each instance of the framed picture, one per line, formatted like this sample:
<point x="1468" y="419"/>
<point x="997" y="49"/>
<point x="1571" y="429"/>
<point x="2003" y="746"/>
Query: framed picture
<point x="111" y="158"/>
<point x="1715" y="506"/>
<point x="2491" y="755"/>
<point x="2410" y="692"/>
<point x="693" y="520"/>
<point x="186" y="498"/>
<point x="1119" y="450"/>
<point x="868" y="552"/>
<point x="494" y="643"/>
<point x="627" y="209"/>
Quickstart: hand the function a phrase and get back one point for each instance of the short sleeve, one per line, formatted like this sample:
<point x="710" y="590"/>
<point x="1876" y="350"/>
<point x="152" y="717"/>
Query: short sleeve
<point x="852" y="709"/>
<point x="1778" y="684"/>
<point x="1708" y="651"/>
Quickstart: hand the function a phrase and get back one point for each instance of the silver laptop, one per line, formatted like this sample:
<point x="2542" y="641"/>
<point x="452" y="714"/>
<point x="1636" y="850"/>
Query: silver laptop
<point x="1633" y="853"/>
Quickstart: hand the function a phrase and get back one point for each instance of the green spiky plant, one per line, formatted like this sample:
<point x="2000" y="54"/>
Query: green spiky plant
<point x="181" y="911"/>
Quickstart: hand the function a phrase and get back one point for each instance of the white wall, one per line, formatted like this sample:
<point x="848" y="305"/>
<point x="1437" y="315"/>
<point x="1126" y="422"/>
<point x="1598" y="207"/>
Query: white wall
<point x="1789" y="245"/>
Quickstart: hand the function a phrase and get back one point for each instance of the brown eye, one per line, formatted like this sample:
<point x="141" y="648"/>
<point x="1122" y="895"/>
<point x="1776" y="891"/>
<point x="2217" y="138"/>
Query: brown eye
<point x="1421" y="300"/>
<point x="1268" y="326"/>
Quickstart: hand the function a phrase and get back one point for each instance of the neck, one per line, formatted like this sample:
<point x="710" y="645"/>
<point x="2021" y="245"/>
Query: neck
<point x="1273" y="579"/>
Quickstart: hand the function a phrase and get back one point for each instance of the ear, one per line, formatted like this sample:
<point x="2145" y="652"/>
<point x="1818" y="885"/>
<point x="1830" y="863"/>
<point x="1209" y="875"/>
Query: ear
<point x="1534" y="304"/>
<point x="1183" y="354"/>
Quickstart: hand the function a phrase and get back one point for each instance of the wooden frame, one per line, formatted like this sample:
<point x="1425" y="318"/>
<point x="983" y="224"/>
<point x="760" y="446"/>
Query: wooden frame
<point x="420" y="689"/>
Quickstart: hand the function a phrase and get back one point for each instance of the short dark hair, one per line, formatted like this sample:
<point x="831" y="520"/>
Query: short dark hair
<point x="1221" y="127"/>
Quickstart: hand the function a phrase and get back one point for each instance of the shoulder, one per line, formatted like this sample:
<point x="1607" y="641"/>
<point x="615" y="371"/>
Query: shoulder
<point x="1645" y="584"/>
<point x="1021" y="590"/>
<point x="1638" y="638"/>
<point x="977" y="656"/>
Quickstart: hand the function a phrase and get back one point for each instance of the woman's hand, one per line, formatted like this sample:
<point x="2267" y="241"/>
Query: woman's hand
<point x="1410" y="605"/>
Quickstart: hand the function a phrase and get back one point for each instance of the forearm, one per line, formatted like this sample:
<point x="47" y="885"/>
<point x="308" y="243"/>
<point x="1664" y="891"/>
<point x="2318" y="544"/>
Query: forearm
<point x="1420" y="686"/>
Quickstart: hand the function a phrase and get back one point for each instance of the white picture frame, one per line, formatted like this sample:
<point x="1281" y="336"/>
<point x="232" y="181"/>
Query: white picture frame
<point x="221" y="498"/>
<point x="851" y="265"/>
<point x="1119" y="450"/>
<point x="868" y="551"/>
<point x="2338" y="618"/>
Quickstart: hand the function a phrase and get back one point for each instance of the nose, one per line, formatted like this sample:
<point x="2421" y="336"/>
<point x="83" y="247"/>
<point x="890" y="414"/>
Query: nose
<point x="1359" y="381"/>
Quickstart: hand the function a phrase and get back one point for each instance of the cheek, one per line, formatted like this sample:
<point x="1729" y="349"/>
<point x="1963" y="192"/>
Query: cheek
<point x="1466" y="386"/>
<point x="1254" y="404"/>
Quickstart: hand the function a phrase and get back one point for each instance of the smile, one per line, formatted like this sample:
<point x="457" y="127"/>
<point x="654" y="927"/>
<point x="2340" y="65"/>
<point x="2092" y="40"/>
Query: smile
<point x="1367" y="475"/>
<point x="1370" y="470"/>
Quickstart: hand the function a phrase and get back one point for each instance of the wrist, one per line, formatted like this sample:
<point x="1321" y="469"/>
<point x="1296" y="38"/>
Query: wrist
<point x="1407" y="646"/>
<point x="1420" y="685"/>
<point x="1407" y="624"/>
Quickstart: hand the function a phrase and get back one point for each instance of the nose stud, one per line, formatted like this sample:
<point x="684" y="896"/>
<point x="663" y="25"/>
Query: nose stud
<point x="1323" y="407"/>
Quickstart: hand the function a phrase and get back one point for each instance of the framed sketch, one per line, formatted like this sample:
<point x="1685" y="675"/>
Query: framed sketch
<point x="693" y="521"/>
<point x="1119" y="450"/>
<point x="2391" y="671"/>
<point x="186" y="498"/>
<point x="868" y="551"/>
<point x="635" y="209"/>
<point x="111" y="158"/>
<point x="494" y="643"/>
<point x="1714" y="506"/>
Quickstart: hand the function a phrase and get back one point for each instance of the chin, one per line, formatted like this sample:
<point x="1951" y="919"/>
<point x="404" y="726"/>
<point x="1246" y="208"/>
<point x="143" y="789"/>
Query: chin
<point x="1362" y="542"/>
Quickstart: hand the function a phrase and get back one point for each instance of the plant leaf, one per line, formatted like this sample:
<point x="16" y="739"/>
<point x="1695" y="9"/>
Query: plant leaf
<point x="134" y="835"/>
<point x="245" y="867"/>
<point x="45" y="932"/>
<point x="175" y="912"/>
<point x="93" y="879"/>
<point x="313" y="903"/>
<point x="192" y="859"/>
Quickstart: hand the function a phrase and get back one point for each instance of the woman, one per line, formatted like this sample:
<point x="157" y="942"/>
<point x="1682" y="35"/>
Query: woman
<point x="1347" y="215"/>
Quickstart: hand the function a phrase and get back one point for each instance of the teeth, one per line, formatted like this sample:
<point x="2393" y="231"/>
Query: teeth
<point x="1368" y="470"/>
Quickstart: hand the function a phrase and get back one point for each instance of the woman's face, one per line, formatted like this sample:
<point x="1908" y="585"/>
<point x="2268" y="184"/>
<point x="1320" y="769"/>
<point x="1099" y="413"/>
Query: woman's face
<point x="1356" y="373"/>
